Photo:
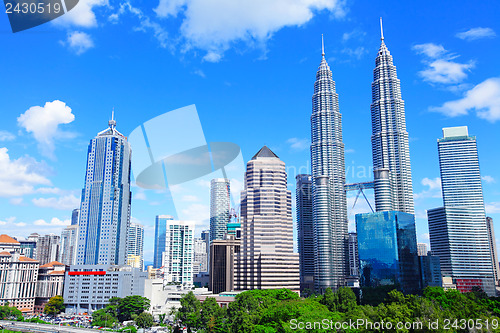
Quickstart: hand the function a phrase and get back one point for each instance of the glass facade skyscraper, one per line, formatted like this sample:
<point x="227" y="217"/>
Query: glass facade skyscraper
<point x="458" y="231"/>
<point x="220" y="202"/>
<point x="328" y="180"/>
<point x="390" y="148"/>
<point x="387" y="247"/>
<point x="160" y="238"/>
<point x="305" y="237"/>
<point x="105" y="205"/>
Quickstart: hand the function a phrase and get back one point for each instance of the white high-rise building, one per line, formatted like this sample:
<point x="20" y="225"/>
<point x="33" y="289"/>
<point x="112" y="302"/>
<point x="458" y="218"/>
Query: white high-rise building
<point x="458" y="231"/>
<point x="48" y="249"/>
<point x="178" y="257"/>
<point x="105" y="207"/>
<point x="220" y="202"/>
<point x="266" y="259"/>
<point x="69" y="237"/>
<point x="135" y="248"/>
<point x="200" y="256"/>
<point x="328" y="180"/>
<point x="390" y="148"/>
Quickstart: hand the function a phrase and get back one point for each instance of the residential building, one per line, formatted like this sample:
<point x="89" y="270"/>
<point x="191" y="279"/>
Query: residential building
<point x="50" y="283"/>
<point x="220" y="202"/>
<point x="329" y="202"/>
<point x="266" y="259"/>
<point x="458" y="231"/>
<point x="9" y="244"/>
<point x="390" y="148"/>
<point x="200" y="256"/>
<point x="305" y="235"/>
<point x="18" y="280"/>
<point x="353" y="255"/>
<point x="105" y="204"/>
<point x="69" y="239"/>
<point x="387" y="247"/>
<point x="178" y="257"/>
<point x="89" y="287"/>
<point x="160" y="238"/>
<point x="493" y="246"/>
<point x="223" y="264"/>
<point x="48" y="249"/>
<point x="136" y="244"/>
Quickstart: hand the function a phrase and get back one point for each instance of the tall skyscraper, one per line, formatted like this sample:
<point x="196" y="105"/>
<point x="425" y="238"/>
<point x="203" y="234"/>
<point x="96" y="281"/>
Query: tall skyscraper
<point x="105" y="204"/>
<point x="493" y="246"/>
<point x="48" y="249"/>
<point x="390" y="148"/>
<point x="178" y="257"/>
<point x="328" y="181"/>
<point x="74" y="216"/>
<point x="353" y="254"/>
<point x="160" y="238"/>
<point x="305" y="237"/>
<point x="458" y="231"/>
<point x="135" y="249"/>
<point x="69" y="237"/>
<point x="266" y="259"/>
<point x="220" y="202"/>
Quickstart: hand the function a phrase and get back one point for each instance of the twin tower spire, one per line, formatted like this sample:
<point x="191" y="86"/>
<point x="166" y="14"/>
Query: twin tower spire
<point x="391" y="161"/>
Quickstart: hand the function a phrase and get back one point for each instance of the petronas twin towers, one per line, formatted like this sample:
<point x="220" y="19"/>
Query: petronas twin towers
<point x="391" y="161"/>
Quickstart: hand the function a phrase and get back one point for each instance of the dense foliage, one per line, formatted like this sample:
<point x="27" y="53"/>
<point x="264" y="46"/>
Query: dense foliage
<point x="54" y="306"/>
<point x="268" y="311"/>
<point x="144" y="320"/>
<point x="120" y="310"/>
<point x="10" y="312"/>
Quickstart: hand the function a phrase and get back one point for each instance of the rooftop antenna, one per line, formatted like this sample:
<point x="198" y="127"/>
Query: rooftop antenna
<point x="322" y="46"/>
<point x="112" y="122"/>
<point x="381" y="30"/>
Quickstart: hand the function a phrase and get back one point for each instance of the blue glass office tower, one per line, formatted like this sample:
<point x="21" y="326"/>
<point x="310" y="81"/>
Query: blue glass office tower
<point x="387" y="247"/>
<point x="160" y="238"/>
<point x="105" y="204"/>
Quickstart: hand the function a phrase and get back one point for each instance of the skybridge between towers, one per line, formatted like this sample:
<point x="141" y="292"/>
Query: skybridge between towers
<point x="360" y="187"/>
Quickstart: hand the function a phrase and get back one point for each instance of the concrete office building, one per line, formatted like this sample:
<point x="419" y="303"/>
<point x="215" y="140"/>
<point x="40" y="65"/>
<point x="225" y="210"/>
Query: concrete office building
<point x="89" y="287"/>
<point x="200" y="256"/>
<point x="266" y="259"/>
<point x="458" y="231"/>
<point x="50" y="283"/>
<point x="223" y="264"/>
<point x="69" y="239"/>
<point x="422" y="249"/>
<point x="105" y="205"/>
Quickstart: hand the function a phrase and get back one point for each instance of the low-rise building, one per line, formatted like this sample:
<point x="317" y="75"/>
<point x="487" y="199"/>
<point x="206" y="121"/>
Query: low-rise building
<point x="89" y="287"/>
<point x="18" y="280"/>
<point x="9" y="244"/>
<point x="50" y="283"/>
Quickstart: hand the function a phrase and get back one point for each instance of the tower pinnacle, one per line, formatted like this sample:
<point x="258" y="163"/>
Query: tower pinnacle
<point x="112" y="122"/>
<point x="381" y="31"/>
<point x="322" y="46"/>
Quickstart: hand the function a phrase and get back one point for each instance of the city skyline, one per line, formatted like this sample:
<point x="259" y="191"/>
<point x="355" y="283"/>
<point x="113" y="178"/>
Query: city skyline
<point x="58" y="172"/>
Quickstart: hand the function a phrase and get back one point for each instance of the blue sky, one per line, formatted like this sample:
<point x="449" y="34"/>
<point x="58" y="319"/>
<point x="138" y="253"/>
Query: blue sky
<point x="249" y="67"/>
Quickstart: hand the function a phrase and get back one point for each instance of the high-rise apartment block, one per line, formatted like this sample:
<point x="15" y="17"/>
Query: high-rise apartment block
<point x="160" y="238"/>
<point x="220" y="202"/>
<point x="105" y="204"/>
<point x="458" y="231"/>
<point x="178" y="257"/>
<point x="69" y="239"/>
<point x="266" y="259"/>
<point x="493" y="246"/>
<point x="135" y="249"/>
<point x="305" y="235"/>
<point x="390" y="148"/>
<point x="200" y="256"/>
<point x="328" y="180"/>
<point x="48" y="249"/>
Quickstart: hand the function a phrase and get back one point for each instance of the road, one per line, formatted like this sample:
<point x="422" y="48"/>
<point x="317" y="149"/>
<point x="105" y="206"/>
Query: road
<point x="41" y="328"/>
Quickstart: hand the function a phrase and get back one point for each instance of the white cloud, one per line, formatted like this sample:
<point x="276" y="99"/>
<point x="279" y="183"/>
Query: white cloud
<point x="356" y="33"/>
<point x="484" y="99"/>
<point x="432" y="183"/>
<point x="200" y="73"/>
<point x="298" y="144"/>
<point x="196" y="212"/>
<point x="140" y="196"/>
<point x="8" y="220"/>
<point x="440" y="65"/>
<point x="79" y="42"/>
<point x="488" y="179"/>
<point x="476" y="33"/>
<point x="16" y="201"/>
<point x="6" y="136"/>
<point x="213" y="25"/>
<point x="492" y="207"/>
<point x="20" y="176"/>
<point x="355" y="53"/>
<point x="433" y="190"/>
<point x="67" y="202"/>
<point x="43" y="123"/>
<point x="82" y="15"/>
<point x="190" y="198"/>
<point x="54" y="222"/>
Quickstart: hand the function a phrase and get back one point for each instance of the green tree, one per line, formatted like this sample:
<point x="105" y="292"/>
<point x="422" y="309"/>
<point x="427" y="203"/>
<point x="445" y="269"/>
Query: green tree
<point x="130" y="307"/>
<point x="211" y="315"/>
<point x="144" y="320"/>
<point x="189" y="312"/>
<point x="54" y="306"/>
<point x="103" y="318"/>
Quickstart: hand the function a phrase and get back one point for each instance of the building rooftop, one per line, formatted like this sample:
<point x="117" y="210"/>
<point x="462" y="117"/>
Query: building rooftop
<point x="52" y="264"/>
<point x="265" y="152"/>
<point x="7" y="239"/>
